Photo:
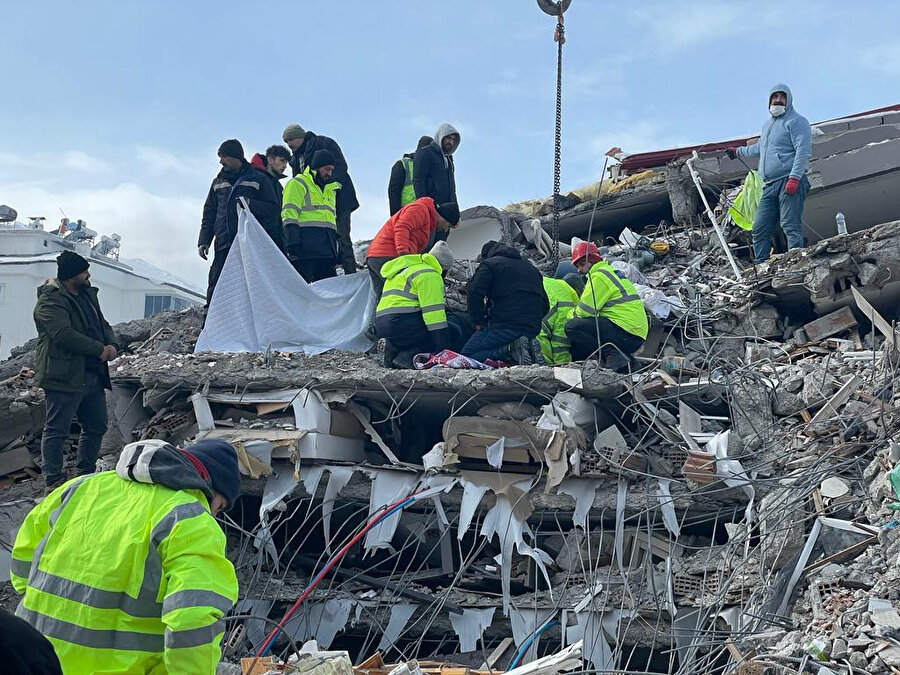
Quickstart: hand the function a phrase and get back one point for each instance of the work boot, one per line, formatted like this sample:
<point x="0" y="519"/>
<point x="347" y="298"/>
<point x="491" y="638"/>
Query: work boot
<point x="404" y="360"/>
<point x="537" y="356"/>
<point x="53" y="484"/>
<point x="520" y="351"/>
<point x="385" y="353"/>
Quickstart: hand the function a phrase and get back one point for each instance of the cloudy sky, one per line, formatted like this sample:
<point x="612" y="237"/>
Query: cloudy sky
<point x="112" y="112"/>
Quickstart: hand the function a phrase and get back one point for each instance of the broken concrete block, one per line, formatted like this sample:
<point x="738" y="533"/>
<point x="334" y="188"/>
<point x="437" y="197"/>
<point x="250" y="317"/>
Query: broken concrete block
<point x="830" y="324"/>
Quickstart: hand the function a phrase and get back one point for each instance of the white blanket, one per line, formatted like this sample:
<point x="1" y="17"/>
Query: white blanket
<point x="262" y="302"/>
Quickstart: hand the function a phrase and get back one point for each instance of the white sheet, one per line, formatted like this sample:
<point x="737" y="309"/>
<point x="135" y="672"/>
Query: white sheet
<point x="261" y="301"/>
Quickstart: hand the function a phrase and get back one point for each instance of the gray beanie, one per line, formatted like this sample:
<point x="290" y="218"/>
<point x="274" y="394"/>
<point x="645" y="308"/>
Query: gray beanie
<point x="292" y="132"/>
<point x="441" y="251"/>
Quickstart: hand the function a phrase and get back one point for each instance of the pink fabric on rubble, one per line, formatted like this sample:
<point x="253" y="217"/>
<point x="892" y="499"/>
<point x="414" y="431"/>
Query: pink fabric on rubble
<point x="447" y="359"/>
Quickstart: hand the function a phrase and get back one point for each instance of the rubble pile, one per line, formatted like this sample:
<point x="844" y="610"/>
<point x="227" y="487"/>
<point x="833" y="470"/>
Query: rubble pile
<point x="726" y="506"/>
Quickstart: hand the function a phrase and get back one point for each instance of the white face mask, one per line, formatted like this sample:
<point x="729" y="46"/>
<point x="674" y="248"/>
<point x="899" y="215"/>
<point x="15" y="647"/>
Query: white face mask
<point x="776" y="110"/>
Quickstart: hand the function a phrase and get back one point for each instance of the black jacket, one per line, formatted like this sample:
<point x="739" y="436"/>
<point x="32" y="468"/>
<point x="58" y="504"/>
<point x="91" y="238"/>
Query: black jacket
<point x="398" y="180"/>
<point x="507" y="291"/>
<point x="273" y="226"/>
<point x="220" y="210"/>
<point x="346" y="197"/>
<point x="432" y="177"/>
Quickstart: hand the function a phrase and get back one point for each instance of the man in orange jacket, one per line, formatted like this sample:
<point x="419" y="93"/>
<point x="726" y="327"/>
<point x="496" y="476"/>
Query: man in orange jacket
<point x="408" y="232"/>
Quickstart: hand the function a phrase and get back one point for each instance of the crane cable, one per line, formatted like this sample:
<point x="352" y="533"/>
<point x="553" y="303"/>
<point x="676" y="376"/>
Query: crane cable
<point x="559" y="36"/>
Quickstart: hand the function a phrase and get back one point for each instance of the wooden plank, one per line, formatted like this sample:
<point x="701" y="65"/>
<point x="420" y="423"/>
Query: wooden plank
<point x="840" y="398"/>
<point x="877" y="320"/>
<point x="817" y="500"/>
<point x="830" y="324"/>
<point x="497" y="653"/>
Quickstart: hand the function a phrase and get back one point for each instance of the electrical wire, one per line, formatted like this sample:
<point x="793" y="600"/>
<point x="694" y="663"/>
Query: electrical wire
<point x="527" y="643"/>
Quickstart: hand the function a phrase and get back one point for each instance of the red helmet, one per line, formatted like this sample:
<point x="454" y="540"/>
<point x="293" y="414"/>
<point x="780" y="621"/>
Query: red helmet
<point x="585" y="249"/>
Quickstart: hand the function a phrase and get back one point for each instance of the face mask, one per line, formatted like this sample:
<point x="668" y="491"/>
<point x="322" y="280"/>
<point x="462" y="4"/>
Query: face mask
<point x="776" y="110"/>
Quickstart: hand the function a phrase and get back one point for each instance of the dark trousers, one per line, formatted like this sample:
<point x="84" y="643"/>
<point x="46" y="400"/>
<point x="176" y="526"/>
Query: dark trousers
<point x="492" y="343"/>
<point x="89" y="408"/>
<point x="348" y="260"/>
<point x="375" y="264"/>
<point x="215" y="271"/>
<point x="313" y="269"/>
<point x="583" y="333"/>
<point x="777" y="207"/>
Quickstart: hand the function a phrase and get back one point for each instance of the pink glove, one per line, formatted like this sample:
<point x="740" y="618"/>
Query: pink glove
<point x="790" y="188"/>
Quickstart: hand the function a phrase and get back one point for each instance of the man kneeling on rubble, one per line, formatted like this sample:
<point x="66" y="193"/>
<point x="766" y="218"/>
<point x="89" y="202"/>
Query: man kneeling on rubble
<point x="125" y="571"/>
<point x="411" y="316"/>
<point x="609" y="316"/>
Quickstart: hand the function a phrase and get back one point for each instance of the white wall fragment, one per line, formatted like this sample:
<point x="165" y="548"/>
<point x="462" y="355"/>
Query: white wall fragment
<point x="470" y="626"/>
<point x="400" y="615"/>
<point x="524" y="622"/>
<point x="387" y="488"/>
<point x="582" y="490"/>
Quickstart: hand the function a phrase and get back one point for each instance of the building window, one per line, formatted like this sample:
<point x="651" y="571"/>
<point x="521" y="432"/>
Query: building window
<point x="154" y="304"/>
<point x="2" y="294"/>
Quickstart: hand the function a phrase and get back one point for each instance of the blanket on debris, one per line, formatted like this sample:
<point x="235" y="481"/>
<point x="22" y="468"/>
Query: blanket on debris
<point x="262" y="303"/>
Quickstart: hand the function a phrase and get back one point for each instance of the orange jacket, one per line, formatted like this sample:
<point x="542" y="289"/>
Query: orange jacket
<point x="407" y="231"/>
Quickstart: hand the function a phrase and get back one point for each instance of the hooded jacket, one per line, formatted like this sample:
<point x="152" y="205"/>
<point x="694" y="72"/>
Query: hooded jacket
<point x="149" y="593"/>
<point x="407" y="231"/>
<point x="301" y="158"/>
<point x="785" y="143"/>
<point x="507" y="291"/>
<point x="434" y="174"/>
<point x="220" y="215"/>
<point x="273" y="225"/>
<point x="64" y="342"/>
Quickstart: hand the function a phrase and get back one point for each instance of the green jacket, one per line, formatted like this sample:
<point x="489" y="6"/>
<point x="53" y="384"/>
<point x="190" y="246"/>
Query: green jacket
<point x="125" y="577"/>
<point x="552" y="338"/>
<point x="608" y="295"/>
<point x="63" y="341"/>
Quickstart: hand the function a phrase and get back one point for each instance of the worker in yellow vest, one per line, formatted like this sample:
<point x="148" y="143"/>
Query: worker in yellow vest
<point x="125" y="571"/>
<point x="400" y="188"/>
<point x="411" y="316"/>
<point x="309" y="218"/>
<point x="563" y="295"/>
<point x="610" y="314"/>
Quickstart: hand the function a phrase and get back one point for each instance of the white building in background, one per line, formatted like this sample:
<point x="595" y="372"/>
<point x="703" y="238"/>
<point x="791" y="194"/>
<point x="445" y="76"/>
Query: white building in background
<point x="129" y="288"/>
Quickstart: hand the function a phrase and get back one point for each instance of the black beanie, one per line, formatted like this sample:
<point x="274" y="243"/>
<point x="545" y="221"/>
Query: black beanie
<point x="321" y="158"/>
<point x="232" y="148"/>
<point x="449" y="211"/>
<point x="70" y="264"/>
<point x="220" y="460"/>
<point x="424" y="142"/>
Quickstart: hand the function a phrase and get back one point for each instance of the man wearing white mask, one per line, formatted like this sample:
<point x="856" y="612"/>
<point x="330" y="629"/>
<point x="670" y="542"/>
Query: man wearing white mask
<point x="784" y="147"/>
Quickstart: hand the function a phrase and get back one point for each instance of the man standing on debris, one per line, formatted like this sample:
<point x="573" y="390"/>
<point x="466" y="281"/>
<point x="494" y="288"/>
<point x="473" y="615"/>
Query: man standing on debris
<point x="310" y="222"/>
<point x="434" y="174"/>
<point x="411" y="315"/>
<point x="401" y="190"/>
<point x="783" y="149"/>
<point x="408" y="231"/>
<point x="272" y="166"/>
<point x="75" y="343"/>
<point x="304" y="145"/>
<point x="563" y="296"/>
<point x="506" y="303"/>
<point x="610" y="314"/>
<point x="220" y="216"/>
<point x="125" y="571"/>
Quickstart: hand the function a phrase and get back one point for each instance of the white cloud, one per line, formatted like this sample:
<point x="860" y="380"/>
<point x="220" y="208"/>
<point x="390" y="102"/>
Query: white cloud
<point x="678" y="25"/>
<point x="426" y="126"/>
<point x="884" y="58"/>
<point x="82" y="161"/>
<point x="158" y="161"/>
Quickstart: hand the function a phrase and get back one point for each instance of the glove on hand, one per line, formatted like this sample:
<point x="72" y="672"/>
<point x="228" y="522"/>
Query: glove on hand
<point x="790" y="188"/>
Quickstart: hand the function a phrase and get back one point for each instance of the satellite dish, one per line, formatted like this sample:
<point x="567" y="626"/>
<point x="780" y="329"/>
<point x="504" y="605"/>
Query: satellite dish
<point x="553" y="8"/>
<point x="7" y="214"/>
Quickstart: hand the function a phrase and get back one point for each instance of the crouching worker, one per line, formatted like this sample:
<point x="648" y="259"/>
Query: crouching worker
<point x="125" y="571"/>
<point x="563" y="296"/>
<point x="411" y="316"/>
<point x="609" y="315"/>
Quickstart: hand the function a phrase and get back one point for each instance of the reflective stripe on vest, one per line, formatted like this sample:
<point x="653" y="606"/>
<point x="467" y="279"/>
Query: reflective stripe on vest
<point x="144" y="605"/>
<point x="623" y="294"/>
<point x="309" y="214"/>
<point x="408" y="193"/>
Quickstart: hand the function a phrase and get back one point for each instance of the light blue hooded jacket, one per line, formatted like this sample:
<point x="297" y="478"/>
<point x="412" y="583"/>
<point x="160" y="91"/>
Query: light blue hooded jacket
<point x="785" y="143"/>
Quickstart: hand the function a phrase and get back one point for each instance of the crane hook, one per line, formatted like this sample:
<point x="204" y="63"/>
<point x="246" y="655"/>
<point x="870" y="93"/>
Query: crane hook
<point x="554" y="8"/>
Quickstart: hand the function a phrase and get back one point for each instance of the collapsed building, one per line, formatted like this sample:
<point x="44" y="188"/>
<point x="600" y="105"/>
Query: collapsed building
<point x="726" y="507"/>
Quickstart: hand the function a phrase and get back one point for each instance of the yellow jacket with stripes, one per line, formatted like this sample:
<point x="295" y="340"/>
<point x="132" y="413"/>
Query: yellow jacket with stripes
<point x="608" y="295"/>
<point x="125" y="577"/>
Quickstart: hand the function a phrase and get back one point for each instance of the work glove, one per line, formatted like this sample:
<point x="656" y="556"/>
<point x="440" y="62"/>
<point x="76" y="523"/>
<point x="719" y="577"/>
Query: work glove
<point x="790" y="188"/>
<point x="203" y="251"/>
<point x="731" y="152"/>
